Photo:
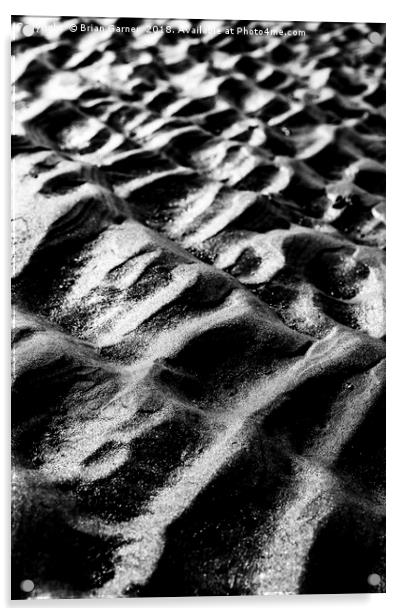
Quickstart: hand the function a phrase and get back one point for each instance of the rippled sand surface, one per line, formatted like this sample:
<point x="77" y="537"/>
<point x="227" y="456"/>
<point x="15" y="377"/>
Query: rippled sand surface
<point x="198" y="318"/>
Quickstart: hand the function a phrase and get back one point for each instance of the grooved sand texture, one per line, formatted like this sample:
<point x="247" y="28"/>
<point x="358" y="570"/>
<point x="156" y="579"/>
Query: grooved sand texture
<point x="198" y="319"/>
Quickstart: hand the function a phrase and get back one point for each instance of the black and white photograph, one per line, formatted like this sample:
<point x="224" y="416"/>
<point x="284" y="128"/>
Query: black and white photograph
<point x="198" y="307"/>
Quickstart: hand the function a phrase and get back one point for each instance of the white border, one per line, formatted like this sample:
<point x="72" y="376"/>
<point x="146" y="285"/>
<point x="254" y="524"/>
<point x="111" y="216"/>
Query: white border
<point x="293" y="10"/>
